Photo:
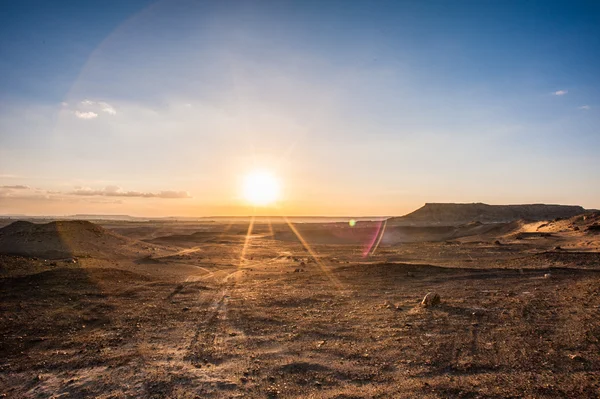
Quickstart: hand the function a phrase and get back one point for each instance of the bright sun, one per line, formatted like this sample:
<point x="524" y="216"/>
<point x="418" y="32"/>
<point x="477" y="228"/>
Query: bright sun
<point x="261" y="188"/>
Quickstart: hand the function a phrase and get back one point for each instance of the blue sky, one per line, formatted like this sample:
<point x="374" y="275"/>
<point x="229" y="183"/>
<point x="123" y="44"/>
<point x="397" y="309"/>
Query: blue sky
<point x="360" y="108"/>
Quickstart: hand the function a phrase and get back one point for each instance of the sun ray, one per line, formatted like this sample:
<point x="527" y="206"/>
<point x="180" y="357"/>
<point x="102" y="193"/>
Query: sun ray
<point x="336" y="282"/>
<point x="246" y="241"/>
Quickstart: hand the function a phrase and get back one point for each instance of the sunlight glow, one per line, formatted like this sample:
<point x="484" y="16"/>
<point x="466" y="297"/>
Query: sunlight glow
<point x="261" y="188"/>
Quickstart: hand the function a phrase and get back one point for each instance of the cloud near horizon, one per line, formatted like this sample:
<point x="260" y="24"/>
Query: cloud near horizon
<point x="16" y="187"/>
<point x="560" y="92"/>
<point x="23" y="191"/>
<point x="114" y="191"/>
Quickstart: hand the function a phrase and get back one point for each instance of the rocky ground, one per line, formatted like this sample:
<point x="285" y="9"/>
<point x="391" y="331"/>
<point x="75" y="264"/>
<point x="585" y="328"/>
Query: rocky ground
<point x="260" y="318"/>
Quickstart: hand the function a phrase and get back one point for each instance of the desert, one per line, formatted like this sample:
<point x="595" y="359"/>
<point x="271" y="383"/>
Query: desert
<point x="299" y="199"/>
<point x="270" y="309"/>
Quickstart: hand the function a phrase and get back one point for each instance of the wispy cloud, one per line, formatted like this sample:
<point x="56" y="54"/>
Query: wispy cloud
<point x="114" y="191"/>
<point x="106" y="107"/>
<point x="585" y="107"/>
<point x="86" y="115"/>
<point x="16" y="187"/>
<point x="91" y="109"/>
<point x="560" y="92"/>
<point x="110" y="194"/>
<point x="15" y="190"/>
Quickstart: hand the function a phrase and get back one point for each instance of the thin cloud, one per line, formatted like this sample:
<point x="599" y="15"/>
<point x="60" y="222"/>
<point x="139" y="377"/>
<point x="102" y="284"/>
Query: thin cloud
<point x="585" y="107"/>
<point x="86" y="115"/>
<point x="560" y="92"/>
<point x="98" y="106"/>
<point x="16" y="187"/>
<point x="114" y="191"/>
<point x="106" y="107"/>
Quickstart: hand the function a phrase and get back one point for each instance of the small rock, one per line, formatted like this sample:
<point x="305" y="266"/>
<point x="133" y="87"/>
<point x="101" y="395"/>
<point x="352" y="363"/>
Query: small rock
<point x="410" y="274"/>
<point x="548" y="275"/>
<point x="185" y="309"/>
<point x="431" y="299"/>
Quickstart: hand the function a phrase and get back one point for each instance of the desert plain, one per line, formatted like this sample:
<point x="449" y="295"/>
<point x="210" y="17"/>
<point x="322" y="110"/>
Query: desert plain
<point x="288" y="308"/>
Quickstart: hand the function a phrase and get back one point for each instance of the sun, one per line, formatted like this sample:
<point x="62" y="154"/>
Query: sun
<point x="261" y="188"/>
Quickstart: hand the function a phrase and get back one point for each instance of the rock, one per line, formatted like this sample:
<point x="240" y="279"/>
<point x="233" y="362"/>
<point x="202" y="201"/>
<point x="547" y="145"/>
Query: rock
<point x="185" y="309"/>
<point x="557" y="248"/>
<point x="548" y="275"/>
<point x="297" y="271"/>
<point x="497" y="242"/>
<point x="410" y="274"/>
<point x="577" y="357"/>
<point x="431" y="299"/>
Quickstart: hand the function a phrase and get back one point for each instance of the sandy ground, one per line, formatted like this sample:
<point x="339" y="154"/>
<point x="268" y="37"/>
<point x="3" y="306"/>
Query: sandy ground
<point x="220" y="315"/>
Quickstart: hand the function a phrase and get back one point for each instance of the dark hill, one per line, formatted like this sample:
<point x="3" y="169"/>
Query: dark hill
<point x="60" y="239"/>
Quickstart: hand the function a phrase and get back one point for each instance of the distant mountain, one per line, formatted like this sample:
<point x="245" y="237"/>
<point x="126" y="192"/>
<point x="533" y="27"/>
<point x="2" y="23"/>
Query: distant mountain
<point x="454" y="214"/>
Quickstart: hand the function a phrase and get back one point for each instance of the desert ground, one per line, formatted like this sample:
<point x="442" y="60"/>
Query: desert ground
<point x="267" y="309"/>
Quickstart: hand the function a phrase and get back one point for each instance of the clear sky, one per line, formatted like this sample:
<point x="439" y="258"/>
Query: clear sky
<point x="358" y="107"/>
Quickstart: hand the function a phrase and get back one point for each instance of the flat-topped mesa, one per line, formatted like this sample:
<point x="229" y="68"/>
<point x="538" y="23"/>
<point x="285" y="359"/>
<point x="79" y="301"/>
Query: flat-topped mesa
<point x="453" y="214"/>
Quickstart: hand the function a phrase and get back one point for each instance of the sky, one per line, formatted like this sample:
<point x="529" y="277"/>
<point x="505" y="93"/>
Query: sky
<point x="359" y="108"/>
